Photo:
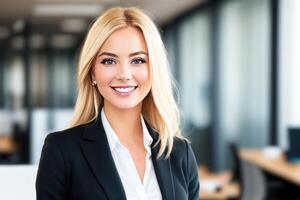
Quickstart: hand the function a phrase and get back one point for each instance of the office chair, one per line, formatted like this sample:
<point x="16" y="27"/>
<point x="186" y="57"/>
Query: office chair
<point x="251" y="178"/>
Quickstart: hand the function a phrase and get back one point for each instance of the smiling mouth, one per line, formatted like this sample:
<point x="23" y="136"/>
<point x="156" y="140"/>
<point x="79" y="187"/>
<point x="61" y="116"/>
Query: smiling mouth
<point x="124" y="90"/>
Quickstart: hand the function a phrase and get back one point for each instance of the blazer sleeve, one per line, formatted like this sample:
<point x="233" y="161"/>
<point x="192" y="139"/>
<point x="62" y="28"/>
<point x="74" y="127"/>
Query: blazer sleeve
<point x="193" y="178"/>
<point x="50" y="181"/>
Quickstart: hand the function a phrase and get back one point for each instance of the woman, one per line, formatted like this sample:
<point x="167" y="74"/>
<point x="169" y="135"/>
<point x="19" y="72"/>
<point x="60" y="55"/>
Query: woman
<point x="124" y="141"/>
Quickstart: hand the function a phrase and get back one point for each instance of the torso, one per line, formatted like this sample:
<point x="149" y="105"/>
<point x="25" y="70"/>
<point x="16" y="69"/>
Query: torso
<point x="138" y="154"/>
<point x="139" y="159"/>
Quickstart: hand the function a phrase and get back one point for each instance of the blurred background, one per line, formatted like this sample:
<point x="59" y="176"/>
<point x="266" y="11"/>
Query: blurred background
<point x="235" y="62"/>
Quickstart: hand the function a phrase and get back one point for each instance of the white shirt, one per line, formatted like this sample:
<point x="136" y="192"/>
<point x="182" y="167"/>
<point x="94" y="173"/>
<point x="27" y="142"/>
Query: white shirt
<point x="134" y="188"/>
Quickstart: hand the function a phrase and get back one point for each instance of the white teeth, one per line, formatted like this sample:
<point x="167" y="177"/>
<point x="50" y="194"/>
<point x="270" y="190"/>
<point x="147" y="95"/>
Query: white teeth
<point x="128" y="89"/>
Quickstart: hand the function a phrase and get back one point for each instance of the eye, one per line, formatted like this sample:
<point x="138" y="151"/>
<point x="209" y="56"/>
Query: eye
<point x="108" y="61"/>
<point x="138" y="61"/>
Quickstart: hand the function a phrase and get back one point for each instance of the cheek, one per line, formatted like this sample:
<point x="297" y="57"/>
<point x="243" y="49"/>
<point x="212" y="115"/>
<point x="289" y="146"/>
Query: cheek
<point x="143" y="75"/>
<point x="103" y="76"/>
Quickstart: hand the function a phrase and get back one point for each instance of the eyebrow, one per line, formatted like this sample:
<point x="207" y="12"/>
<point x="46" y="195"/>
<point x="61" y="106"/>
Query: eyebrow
<point x="137" y="53"/>
<point x="130" y="55"/>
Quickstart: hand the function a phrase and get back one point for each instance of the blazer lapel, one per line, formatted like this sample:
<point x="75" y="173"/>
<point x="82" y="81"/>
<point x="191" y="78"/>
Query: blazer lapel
<point x="96" y="149"/>
<point x="162" y="168"/>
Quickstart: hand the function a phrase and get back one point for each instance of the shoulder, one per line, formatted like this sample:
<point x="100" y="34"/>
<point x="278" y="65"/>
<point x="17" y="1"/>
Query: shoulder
<point x="63" y="145"/>
<point x="57" y="136"/>
<point x="65" y="136"/>
<point x="181" y="146"/>
<point x="183" y="155"/>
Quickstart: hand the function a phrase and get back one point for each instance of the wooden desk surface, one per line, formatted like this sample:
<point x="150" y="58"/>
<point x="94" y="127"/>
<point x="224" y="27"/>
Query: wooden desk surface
<point x="7" y="145"/>
<point x="228" y="190"/>
<point x="279" y="166"/>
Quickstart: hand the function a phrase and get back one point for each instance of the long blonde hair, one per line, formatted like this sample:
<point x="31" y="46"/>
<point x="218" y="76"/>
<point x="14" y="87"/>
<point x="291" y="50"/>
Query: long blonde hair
<point x="159" y="106"/>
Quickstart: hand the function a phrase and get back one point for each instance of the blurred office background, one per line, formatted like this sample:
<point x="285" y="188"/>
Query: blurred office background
<point x="235" y="62"/>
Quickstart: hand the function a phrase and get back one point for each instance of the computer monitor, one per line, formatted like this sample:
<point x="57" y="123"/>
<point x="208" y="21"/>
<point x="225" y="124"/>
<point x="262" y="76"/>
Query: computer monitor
<point x="293" y="153"/>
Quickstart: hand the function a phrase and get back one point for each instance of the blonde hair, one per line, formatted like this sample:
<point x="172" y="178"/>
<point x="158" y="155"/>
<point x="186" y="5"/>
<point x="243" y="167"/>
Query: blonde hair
<point x="159" y="106"/>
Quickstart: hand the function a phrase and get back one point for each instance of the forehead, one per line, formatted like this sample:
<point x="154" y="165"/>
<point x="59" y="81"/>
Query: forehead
<point x="128" y="39"/>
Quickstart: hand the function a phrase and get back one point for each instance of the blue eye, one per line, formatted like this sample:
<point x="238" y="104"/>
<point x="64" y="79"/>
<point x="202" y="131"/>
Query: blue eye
<point x="138" y="61"/>
<point x="107" y="61"/>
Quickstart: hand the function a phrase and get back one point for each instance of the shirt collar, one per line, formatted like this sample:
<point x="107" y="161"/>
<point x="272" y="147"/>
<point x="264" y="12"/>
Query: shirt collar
<point x="147" y="137"/>
<point x="113" y="139"/>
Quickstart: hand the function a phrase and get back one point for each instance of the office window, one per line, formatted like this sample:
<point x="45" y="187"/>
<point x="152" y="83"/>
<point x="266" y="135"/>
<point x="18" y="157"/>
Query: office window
<point x="289" y="68"/>
<point x="194" y="69"/>
<point x="14" y="82"/>
<point x="188" y="46"/>
<point x="244" y="67"/>
<point x="62" y="79"/>
<point x="39" y="78"/>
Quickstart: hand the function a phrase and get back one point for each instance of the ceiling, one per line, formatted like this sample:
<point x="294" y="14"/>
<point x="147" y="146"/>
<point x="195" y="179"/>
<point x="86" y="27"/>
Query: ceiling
<point x="61" y="22"/>
<point x="161" y="11"/>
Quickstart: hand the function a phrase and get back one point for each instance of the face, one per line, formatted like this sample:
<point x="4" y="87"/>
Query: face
<point x="121" y="69"/>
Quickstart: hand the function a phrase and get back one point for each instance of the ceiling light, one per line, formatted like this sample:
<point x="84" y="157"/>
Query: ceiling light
<point x="55" y="10"/>
<point x="19" y="25"/>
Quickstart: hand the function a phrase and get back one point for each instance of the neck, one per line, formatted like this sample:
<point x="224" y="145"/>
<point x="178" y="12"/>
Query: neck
<point x="125" y="122"/>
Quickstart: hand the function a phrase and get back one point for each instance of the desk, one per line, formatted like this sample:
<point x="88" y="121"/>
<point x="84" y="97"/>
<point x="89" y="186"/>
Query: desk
<point x="7" y="145"/>
<point x="278" y="167"/>
<point x="228" y="190"/>
<point x="18" y="181"/>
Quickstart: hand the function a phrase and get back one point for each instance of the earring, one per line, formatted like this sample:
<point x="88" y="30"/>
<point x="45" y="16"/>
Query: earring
<point x="94" y="83"/>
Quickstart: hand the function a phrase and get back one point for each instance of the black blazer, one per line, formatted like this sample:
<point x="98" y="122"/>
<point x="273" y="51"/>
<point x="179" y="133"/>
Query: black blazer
<point x="76" y="164"/>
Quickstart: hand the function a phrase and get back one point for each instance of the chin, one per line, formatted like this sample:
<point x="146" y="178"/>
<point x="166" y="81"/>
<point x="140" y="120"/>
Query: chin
<point x="127" y="106"/>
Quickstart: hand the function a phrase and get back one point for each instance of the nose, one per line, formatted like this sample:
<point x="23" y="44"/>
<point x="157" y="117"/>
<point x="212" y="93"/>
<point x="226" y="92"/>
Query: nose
<point x="125" y="72"/>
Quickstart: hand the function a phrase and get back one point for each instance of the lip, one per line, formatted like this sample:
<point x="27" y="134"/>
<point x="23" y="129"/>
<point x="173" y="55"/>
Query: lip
<point x="124" y="93"/>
